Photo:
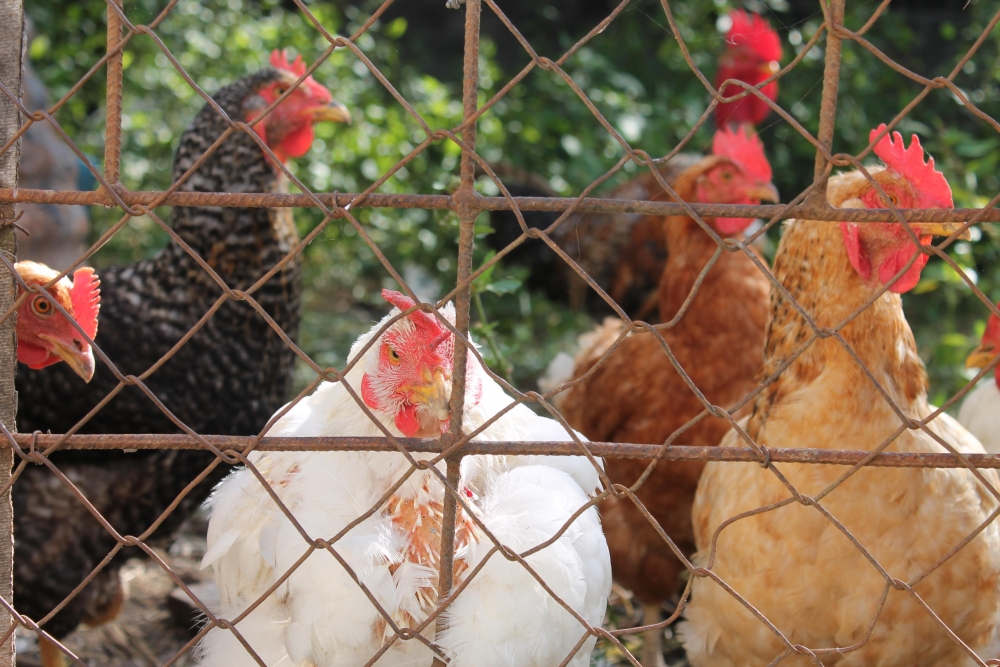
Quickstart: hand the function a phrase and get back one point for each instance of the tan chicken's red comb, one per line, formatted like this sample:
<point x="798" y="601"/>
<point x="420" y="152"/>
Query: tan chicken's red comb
<point x="929" y="183"/>
<point x="743" y="147"/>
<point x="86" y="298"/>
<point x="754" y="32"/>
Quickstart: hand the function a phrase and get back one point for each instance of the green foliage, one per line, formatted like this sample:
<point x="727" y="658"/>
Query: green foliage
<point x="633" y="72"/>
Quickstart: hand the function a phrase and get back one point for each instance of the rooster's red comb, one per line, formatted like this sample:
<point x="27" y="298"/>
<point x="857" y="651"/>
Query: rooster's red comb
<point x="930" y="184"/>
<point x="86" y="298"/>
<point x="744" y="148"/>
<point x="753" y="32"/>
<point x="422" y="320"/>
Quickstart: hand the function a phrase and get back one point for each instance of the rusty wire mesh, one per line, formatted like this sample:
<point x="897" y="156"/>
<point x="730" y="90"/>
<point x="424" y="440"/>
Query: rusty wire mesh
<point x="467" y="204"/>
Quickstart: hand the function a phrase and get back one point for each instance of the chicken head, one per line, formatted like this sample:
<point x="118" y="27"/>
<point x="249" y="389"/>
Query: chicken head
<point x="989" y="347"/>
<point x="44" y="335"/>
<point x="288" y="128"/>
<point x="753" y="50"/>
<point x="409" y="377"/>
<point x="881" y="250"/>
<point x="742" y="175"/>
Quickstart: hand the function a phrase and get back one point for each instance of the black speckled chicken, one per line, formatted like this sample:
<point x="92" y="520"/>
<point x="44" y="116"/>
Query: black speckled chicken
<point x="229" y="378"/>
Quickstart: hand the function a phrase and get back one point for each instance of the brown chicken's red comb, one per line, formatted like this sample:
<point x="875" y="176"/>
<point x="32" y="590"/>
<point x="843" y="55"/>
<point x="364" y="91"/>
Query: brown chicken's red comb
<point x="86" y="298"/>
<point x="754" y="32"/>
<point x="743" y="147"/>
<point x="929" y="183"/>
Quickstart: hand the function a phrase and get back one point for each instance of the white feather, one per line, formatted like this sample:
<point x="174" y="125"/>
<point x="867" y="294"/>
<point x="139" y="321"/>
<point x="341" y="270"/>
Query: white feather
<point x="980" y="414"/>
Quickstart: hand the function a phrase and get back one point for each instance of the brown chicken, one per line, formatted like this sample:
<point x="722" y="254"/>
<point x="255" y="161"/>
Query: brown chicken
<point x="637" y="396"/>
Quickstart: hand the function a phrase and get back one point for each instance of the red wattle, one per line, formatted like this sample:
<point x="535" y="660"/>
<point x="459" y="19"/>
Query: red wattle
<point x="407" y="422"/>
<point x="298" y="142"/>
<point x="34" y="356"/>
<point x="732" y="226"/>
<point x="896" y="261"/>
<point x="855" y="253"/>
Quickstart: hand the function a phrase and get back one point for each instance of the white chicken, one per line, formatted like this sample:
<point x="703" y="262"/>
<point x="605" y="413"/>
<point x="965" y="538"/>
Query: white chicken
<point x="318" y="615"/>
<point x="980" y="411"/>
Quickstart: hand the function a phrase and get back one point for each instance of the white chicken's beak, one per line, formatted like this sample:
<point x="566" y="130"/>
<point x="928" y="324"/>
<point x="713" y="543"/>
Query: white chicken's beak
<point x="80" y="360"/>
<point x="435" y="393"/>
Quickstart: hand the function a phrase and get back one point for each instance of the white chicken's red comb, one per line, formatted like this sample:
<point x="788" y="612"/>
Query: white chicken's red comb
<point x="418" y="317"/>
<point x="753" y="31"/>
<point x="744" y="148"/>
<point x="930" y="184"/>
<point x="85" y="296"/>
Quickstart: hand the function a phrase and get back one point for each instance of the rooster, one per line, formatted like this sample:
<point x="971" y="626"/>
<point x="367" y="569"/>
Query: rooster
<point x="792" y="564"/>
<point x="980" y="411"/>
<point x="44" y="336"/>
<point x="752" y="55"/>
<point x="319" y="615"/>
<point x="637" y="396"/>
<point x="227" y="379"/>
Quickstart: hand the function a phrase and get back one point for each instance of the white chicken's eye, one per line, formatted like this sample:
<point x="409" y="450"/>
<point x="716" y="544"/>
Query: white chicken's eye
<point x="41" y="306"/>
<point x="393" y="355"/>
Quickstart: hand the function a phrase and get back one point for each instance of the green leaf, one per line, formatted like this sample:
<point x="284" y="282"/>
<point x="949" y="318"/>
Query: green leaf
<point x="504" y="286"/>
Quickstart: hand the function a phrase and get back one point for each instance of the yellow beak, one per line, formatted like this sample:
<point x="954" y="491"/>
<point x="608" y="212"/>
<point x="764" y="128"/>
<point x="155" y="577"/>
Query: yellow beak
<point x="81" y="362"/>
<point x="942" y="229"/>
<point x="981" y="356"/>
<point x="335" y="112"/>
<point x="764" y="193"/>
<point x="435" y="393"/>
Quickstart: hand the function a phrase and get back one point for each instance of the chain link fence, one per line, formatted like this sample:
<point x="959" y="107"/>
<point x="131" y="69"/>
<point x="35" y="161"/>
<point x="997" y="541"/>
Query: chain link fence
<point x="448" y="451"/>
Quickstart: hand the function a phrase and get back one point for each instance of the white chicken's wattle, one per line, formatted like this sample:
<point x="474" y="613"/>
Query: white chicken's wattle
<point x="319" y="615"/>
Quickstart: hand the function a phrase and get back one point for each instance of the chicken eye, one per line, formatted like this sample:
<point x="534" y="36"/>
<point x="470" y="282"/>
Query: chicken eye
<point x="279" y="90"/>
<point x="393" y="356"/>
<point x="41" y="306"/>
<point x="727" y="175"/>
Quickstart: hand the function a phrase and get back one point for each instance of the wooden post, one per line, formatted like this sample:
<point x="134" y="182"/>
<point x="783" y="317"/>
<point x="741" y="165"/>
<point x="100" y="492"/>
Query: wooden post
<point x="12" y="53"/>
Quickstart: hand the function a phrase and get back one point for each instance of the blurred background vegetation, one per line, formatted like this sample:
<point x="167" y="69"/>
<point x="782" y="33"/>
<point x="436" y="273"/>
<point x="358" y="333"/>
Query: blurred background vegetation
<point x="633" y="72"/>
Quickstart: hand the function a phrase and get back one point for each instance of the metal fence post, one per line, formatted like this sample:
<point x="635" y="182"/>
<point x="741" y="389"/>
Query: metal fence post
<point x="12" y="50"/>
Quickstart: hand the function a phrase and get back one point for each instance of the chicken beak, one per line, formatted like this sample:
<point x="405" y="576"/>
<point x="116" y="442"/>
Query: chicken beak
<point x="942" y="229"/>
<point x="981" y="356"/>
<point x="764" y="192"/>
<point x="81" y="362"/>
<point x="435" y="393"/>
<point x="334" y="112"/>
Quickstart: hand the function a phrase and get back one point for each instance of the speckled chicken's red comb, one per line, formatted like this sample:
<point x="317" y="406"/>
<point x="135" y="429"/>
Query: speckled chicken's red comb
<point x="421" y="319"/>
<point x="744" y="148"/>
<point x="929" y="183"/>
<point x="279" y="60"/>
<point x="86" y="298"/>
<point x="754" y="32"/>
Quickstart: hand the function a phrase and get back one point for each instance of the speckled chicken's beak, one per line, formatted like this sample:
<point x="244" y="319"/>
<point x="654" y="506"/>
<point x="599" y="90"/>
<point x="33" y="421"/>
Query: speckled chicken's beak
<point x="981" y="356"/>
<point x="942" y="229"/>
<point x="334" y="112"/>
<point x="435" y="394"/>
<point x="82" y="362"/>
<point x="764" y="192"/>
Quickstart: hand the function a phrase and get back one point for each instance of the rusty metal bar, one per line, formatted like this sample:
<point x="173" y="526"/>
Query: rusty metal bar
<point x="113" y="97"/>
<point x="443" y="202"/>
<point x="834" y="11"/>
<point x="467" y="206"/>
<point x="11" y="71"/>
<point x="608" y="450"/>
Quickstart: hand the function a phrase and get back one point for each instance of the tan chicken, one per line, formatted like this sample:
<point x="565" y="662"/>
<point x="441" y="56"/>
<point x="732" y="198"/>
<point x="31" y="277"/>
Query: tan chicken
<point x="637" y="396"/>
<point x="793" y="564"/>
